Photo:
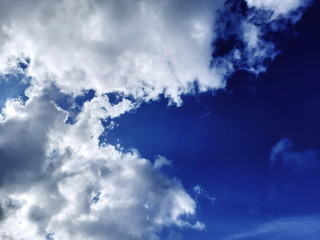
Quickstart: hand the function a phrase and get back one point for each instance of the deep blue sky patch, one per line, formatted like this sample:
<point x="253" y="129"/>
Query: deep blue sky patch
<point x="12" y="86"/>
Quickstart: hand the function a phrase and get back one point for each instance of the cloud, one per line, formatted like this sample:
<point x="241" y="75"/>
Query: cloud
<point x="23" y="130"/>
<point x="283" y="153"/>
<point x="301" y="227"/>
<point x="278" y="7"/>
<point x="246" y="29"/>
<point x="141" y="48"/>
<point x="201" y="192"/>
<point x="160" y="162"/>
<point x="53" y="171"/>
<point x="58" y="181"/>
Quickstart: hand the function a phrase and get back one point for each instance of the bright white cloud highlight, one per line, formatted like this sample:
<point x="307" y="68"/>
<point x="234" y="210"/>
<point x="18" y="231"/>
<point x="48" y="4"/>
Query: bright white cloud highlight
<point x="278" y="7"/>
<point x="142" y="48"/>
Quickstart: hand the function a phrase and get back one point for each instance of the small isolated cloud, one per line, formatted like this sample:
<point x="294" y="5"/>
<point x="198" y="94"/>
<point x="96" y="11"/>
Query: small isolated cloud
<point x="201" y="192"/>
<point x="283" y="153"/>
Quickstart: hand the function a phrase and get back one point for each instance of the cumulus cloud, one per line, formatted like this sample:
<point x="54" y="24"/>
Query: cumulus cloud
<point x="58" y="180"/>
<point x="283" y="153"/>
<point x="141" y="48"/>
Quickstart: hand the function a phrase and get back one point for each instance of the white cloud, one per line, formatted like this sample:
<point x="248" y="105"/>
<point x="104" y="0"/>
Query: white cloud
<point x="244" y="32"/>
<point x="142" y="48"/>
<point x="278" y="7"/>
<point x="55" y="170"/>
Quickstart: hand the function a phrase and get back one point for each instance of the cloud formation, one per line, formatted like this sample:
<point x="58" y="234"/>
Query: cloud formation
<point x="58" y="181"/>
<point x="141" y="48"/>
<point x="278" y="7"/>
<point x="245" y="32"/>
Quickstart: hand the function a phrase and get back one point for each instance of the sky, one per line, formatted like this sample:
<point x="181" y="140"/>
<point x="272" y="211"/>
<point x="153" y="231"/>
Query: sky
<point x="159" y="120"/>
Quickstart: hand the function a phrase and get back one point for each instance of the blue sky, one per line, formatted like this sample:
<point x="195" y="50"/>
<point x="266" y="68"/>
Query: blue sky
<point x="169" y="121"/>
<point x="223" y="141"/>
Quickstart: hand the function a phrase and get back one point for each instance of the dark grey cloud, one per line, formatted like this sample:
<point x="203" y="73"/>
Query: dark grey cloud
<point x="24" y="136"/>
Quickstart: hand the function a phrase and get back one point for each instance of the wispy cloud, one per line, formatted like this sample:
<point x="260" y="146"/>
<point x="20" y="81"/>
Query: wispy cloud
<point x="278" y="8"/>
<point x="283" y="153"/>
<point x="201" y="192"/>
<point x="301" y="227"/>
<point x="244" y="29"/>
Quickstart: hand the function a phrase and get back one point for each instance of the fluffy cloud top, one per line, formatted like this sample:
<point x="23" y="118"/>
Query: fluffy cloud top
<point x="142" y="48"/>
<point x="278" y="7"/>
